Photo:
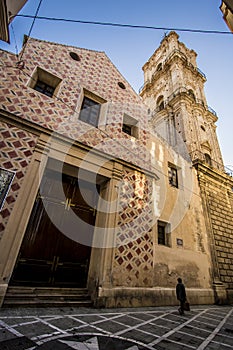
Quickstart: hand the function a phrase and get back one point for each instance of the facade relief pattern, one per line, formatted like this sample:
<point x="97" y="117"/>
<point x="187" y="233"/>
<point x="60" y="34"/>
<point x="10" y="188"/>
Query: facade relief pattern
<point x="134" y="242"/>
<point x="16" y="150"/>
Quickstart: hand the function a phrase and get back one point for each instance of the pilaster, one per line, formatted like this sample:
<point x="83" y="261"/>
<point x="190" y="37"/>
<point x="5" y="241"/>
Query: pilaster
<point x="100" y="274"/>
<point x="15" y="229"/>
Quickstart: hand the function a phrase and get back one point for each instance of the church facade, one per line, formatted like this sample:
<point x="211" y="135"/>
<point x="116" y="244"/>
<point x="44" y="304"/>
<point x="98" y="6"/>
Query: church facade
<point x="108" y="190"/>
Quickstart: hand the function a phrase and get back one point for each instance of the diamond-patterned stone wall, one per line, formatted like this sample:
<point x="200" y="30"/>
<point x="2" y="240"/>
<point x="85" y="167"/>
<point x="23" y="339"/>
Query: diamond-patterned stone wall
<point x="94" y="72"/>
<point x="134" y="251"/>
<point x="16" y="150"/>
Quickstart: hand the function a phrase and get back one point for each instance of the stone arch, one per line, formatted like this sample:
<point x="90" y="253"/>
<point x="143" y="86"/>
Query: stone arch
<point x="191" y="94"/>
<point x="206" y="150"/>
<point x="160" y="102"/>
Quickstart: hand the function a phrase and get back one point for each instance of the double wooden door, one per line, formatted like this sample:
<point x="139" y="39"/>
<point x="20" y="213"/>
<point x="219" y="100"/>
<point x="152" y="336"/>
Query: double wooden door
<point x="48" y="255"/>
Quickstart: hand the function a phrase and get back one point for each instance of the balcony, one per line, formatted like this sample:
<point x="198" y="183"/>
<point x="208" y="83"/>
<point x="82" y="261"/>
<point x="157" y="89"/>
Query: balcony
<point x="142" y="87"/>
<point x="211" y="110"/>
<point x="197" y="156"/>
<point x="203" y="74"/>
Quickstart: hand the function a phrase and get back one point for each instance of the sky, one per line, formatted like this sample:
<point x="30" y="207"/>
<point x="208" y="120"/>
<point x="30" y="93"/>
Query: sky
<point x="130" y="48"/>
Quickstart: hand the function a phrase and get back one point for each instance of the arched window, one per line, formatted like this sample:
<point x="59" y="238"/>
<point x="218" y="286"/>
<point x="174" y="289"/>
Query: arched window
<point x="208" y="159"/>
<point x="191" y="94"/>
<point x="159" y="67"/>
<point x="160" y="103"/>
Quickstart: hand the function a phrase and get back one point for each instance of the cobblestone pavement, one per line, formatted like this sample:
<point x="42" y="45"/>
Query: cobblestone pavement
<point x="204" y="327"/>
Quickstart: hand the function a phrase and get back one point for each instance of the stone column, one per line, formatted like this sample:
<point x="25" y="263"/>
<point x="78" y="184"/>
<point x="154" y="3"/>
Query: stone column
<point x="103" y="256"/>
<point x="15" y="229"/>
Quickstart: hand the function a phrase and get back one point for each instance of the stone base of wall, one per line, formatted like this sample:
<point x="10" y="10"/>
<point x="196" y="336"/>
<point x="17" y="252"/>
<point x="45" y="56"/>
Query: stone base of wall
<point x="140" y="297"/>
<point x="230" y="296"/>
<point x="3" y="288"/>
<point x="220" y="293"/>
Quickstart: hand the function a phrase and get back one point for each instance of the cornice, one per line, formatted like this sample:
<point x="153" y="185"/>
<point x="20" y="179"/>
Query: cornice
<point x="38" y="130"/>
<point x="207" y="173"/>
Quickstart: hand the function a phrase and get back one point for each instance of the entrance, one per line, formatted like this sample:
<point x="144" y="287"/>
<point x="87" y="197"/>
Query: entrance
<point x="48" y="257"/>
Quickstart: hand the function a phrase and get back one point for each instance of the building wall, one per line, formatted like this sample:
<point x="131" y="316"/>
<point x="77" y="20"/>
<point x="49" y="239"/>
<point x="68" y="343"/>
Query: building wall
<point x="142" y="265"/>
<point x="130" y="268"/>
<point x="186" y="119"/>
<point x="17" y="147"/>
<point x="227" y="11"/>
<point x="216" y="190"/>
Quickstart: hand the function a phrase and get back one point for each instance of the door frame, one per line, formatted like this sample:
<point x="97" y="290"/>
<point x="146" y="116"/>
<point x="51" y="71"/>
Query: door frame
<point x="57" y="150"/>
<point x="46" y="250"/>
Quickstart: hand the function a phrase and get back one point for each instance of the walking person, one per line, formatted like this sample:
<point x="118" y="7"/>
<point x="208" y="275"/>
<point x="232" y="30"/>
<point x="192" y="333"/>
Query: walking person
<point x="181" y="295"/>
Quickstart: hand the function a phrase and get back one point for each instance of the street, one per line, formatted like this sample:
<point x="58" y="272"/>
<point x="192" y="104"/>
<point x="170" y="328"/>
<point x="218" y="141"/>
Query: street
<point x="204" y="327"/>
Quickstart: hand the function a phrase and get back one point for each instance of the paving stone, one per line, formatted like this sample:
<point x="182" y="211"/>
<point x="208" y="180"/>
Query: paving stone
<point x="19" y="343"/>
<point x="140" y="336"/>
<point x="224" y="340"/>
<point x="5" y="335"/>
<point x="123" y="329"/>
<point x="186" y="339"/>
<point x="65" y="323"/>
<point x="215" y="346"/>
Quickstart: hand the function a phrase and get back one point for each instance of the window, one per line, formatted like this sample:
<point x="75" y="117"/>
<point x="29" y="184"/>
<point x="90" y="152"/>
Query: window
<point x="160" y="103"/>
<point x="74" y="56"/>
<point x="44" y="88"/>
<point x="44" y="82"/>
<point x="121" y="85"/>
<point x="164" y="235"/>
<point x="90" y="111"/>
<point x="127" y="129"/>
<point x="202" y="127"/>
<point x="130" y="126"/>
<point x="172" y="176"/>
<point x="191" y="94"/>
<point x="208" y="159"/>
<point x="159" y="67"/>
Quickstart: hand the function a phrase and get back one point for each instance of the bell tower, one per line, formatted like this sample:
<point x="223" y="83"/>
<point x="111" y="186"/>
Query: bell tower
<point x="174" y="91"/>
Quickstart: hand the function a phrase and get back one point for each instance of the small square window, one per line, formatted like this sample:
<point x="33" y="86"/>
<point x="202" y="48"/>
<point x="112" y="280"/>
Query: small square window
<point x="130" y="126"/>
<point x="44" y="82"/>
<point x="164" y="235"/>
<point x="172" y="176"/>
<point x="127" y="129"/>
<point x="44" y="88"/>
<point x="90" y="111"/>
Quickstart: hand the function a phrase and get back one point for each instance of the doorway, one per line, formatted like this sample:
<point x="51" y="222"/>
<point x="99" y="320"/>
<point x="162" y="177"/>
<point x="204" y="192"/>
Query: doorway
<point x="48" y="256"/>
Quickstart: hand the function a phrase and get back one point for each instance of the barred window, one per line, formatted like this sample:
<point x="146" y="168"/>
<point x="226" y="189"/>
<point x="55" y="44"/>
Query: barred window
<point x="172" y="176"/>
<point x="164" y="234"/>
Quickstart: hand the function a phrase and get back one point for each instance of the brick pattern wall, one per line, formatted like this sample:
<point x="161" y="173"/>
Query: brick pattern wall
<point x="133" y="263"/>
<point x="16" y="150"/>
<point x="95" y="73"/>
<point x="221" y="215"/>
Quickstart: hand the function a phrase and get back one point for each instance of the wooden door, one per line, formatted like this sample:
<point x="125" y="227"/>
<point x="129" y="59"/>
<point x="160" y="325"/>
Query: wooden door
<point x="47" y="256"/>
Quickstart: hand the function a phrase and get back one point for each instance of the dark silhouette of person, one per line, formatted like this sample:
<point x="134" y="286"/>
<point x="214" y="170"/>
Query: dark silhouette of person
<point x="181" y="295"/>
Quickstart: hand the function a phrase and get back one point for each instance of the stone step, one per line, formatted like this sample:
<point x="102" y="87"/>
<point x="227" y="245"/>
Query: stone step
<point x="45" y="291"/>
<point x="46" y="303"/>
<point x="41" y="296"/>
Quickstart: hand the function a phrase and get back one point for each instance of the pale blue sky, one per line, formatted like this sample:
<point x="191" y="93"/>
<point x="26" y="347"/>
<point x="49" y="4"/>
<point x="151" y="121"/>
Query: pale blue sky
<point x="130" y="48"/>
